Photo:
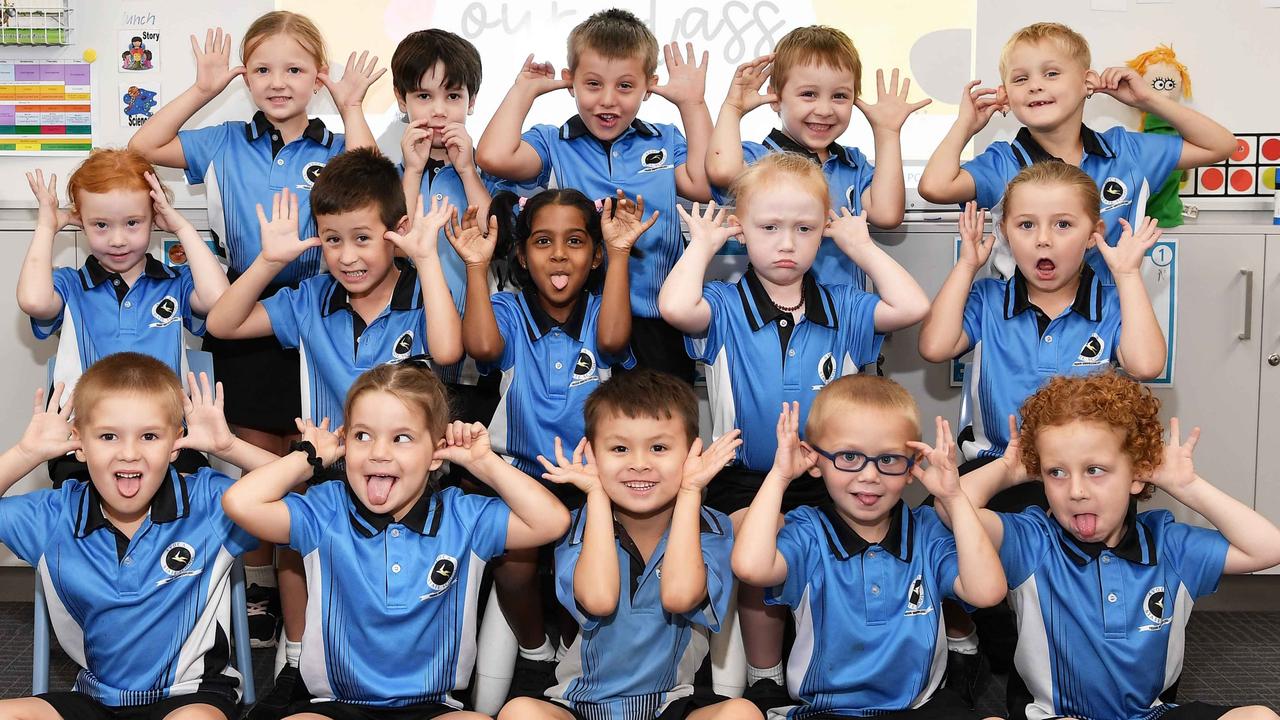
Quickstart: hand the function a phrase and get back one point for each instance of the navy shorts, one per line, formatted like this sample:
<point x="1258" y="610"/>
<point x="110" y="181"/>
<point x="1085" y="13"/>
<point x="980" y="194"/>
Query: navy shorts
<point x="79" y="706"/>
<point x="339" y="710"/>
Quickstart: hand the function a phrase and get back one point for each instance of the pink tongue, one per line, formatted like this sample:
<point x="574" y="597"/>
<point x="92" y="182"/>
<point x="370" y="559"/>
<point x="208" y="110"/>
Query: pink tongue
<point x="128" y="487"/>
<point x="379" y="489"/>
<point x="560" y="282"/>
<point x="866" y="499"/>
<point x="1086" y="524"/>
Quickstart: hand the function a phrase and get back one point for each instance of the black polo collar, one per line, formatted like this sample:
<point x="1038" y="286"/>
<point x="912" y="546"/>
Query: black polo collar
<point x="1137" y="545"/>
<point x="574" y="128"/>
<point x="815" y="305"/>
<point x="544" y="323"/>
<point x="170" y="503"/>
<point x="1087" y="304"/>
<point x="782" y="141"/>
<point x="403" y="297"/>
<point x="152" y="268"/>
<point x="423" y="518"/>
<point x="315" y="131"/>
<point x="1091" y="139"/>
<point x="899" y="540"/>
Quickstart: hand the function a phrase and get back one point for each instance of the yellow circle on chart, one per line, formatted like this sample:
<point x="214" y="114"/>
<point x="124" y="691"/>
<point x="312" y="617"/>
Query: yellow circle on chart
<point x="90" y="55"/>
<point x="1269" y="178"/>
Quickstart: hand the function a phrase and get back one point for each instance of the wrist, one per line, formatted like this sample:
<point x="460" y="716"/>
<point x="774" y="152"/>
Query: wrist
<point x="618" y="254"/>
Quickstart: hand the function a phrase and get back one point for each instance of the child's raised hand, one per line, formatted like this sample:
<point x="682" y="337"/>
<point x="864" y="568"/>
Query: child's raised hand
<point x="207" y="429"/>
<point x="978" y="105"/>
<point x="686" y="79"/>
<point x="473" y="242"/>
<point x="622" y="221"/>
<point x="713" y="227"/>
<point x="328" y="444"/>
<point x="212" y="73"/>
<point x="745" y="91"/>
<point x="50" y="216"/>
<point x="1012" y="457"/>
<point x="1126" y="257"/>
<point x="540" y="78"/>
<point x="703" y="464"/>
<point x="415" y="145"/>
<point x="163" y="215"/>
<point x="891" y="109"/>
<point x="579" y="471"/>
<point x="280" y="243"/>
<point x="792" y="458"/>
<point x="420" y="241"/>
<point x="849" y="231"/>
<point x="459" y="146"/>
<point x="464" y="443"/>
<point x="48" y="435"/>
<point x="1126" y="85"/>
<point x="357" y="76"/>
<point x="1177" y="469"/>
<point x="941" y="478"/>
<point x="975" y="245"/>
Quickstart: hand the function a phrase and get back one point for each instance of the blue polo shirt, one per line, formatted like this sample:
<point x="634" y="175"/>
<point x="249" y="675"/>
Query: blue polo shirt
<point x="848" y="174"/>
<point x="758" y="358"/>
<point x="1127" y="166"/>
<point x="548" y="370"/>
<point x="146" y="618"/>
<point x="391" y="606"/>
<point x="640" y="161"/>
<point x="245" y="164"/>
<point x="1101" y="631"/>
<point x="633" y="663"/>
<point x="1017" y="348"/>
<point x="102" y="315"/>
<point x="333" y="341"/>
<point x="870" y="637"/>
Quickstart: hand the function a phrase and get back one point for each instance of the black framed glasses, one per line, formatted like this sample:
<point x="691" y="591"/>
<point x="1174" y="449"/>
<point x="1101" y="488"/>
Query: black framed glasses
<point x="853" y="461"/>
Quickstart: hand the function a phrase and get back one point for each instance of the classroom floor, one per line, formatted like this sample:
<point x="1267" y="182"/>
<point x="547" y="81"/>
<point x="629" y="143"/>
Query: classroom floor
<point x="1233" y="658"/>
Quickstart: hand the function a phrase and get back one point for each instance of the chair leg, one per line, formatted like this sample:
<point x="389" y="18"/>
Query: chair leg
<point x="40" y="643"/>
<point x="240" y="630"/>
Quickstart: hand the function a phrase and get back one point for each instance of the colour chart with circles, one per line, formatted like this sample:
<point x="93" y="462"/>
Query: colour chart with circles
<point x="1249" y="172"/>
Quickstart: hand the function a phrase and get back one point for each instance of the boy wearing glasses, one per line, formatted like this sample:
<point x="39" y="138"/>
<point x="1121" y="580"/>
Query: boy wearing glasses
<point x="864" y="574"/>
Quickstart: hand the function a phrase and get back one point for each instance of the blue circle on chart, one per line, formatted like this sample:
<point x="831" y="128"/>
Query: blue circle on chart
<point x="1162" y="255"/>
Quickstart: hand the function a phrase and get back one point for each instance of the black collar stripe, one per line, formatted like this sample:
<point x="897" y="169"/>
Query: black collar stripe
<point x="260" y="125"/>
<point x="899" y="540"/>
<point x="1029" y="151"/>
<point x="404" y="296"/>
<point x="95" y="274"/>
<point x="761" y="310"/>
<point x="1137" y="545"/>
<point x="778" y="140"/>
<point x="428" y="509"/>
<point x="574" y="128"/>
<point x="539" y="323"/>
<point x="171" y="502"/>
<point x="1087" y="303"/>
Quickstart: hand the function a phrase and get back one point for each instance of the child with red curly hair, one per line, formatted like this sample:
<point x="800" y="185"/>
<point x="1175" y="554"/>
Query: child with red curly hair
<point x="1102" y="592"/>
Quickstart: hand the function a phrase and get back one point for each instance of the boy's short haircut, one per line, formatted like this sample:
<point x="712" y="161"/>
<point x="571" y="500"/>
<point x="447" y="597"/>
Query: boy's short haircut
<point x="1107" y="398"/>
<point x="815" y="45"/>
<point x="864" y="392"/>
<point x="1067" y="40"/>
<point x="792" y="168"/>
<point x="129" y="373"/>
<point x="1056" y="172"/>
<point x="642" y="394"/>
<point x="419" y="52"/>
<point x="616" y="34"/>
<point x="357" y="179"/>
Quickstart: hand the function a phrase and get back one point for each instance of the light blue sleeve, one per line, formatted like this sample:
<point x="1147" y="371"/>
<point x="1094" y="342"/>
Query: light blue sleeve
<point x="285" y="310"/>
<point x="973" y="310"/>
<point x="510" y="321"/>
<point x="540" y="138"/>
<point x="1156" y="155"/>
<point x="1199" y="554"/>
<point x="485" y="517"/>
<point x="940" y="545"/>
<point x="212" y="485"/>
<point x="187" y="287"/>
<point x="717" y="549"/>
<point x="28" y="521"/>
<point x="313" y="514"/>
<point x="567" y="553"/>
<point x="705" y="348"/>
<point x="66" y="282"/>
<point x="857" y="313"/>
<point x="1026" y="541"/>
<point x="200" y="146"/>
<point x="991" y="172"/>
<point x="679" y="147"/>
<point x="796" y="543"/>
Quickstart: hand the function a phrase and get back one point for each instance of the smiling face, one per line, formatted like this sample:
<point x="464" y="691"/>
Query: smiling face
<point x="356" y="252"/>
<point x="782" y="226"/>
<point x="127" y="442"/>
<point x="1088" y="479"/>
<point x="608" y="92"/>
<point x="389" y="452"/>
<point x="815" y="105"/>
<point x="1049" y="230"/>
<point x="436" y="103"/>
<point x="281" y="76"/>
<point x="559" y="255"/>
<point x="865" y="497"/>
<point x="1046" y="87"/>
<point x="640" y="461"/>
<point x="118" y="226"/>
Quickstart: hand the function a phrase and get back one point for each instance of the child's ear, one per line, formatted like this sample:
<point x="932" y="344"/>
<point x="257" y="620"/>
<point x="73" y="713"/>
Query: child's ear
<point x="520" y="256"/>
<point x="402" y="226"/>
<point x="471" y="105"/>
<point x="1091" y="82"/>
<point x="436" y="460"/>
<point x="1099" y="234"/>
<point x="567" y="76"/>
<point x="597" y="256"/>
<point x="400" y="103"/>
<point x="653" y="83"/>
<point x="75" y="435"/>
<point x="324" y="70"/>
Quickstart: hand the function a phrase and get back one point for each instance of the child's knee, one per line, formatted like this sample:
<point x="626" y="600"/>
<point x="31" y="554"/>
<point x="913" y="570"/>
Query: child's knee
<point x="738" y="709"/>
<point x="1251" y="712"/>
<point x="521" y="708"/>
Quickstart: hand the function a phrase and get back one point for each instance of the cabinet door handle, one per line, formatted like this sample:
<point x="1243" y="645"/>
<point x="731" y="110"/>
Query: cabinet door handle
<point x="1248" y="305"/>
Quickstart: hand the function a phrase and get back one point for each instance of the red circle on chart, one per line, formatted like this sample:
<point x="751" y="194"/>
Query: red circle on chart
<point x="1242" y="180"/>
<point x="1242" y="150"/>
<point x="1211" y="178"/>
<point x="1271" y="149"/>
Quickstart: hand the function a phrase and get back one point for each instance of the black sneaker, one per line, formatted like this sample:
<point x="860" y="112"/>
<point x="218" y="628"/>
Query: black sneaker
<point x="532" y="678"/>
<point x="263" y="604"/>
<point x="968" y="675"/>
<point x="767" y="694"/>
<point x="288" y="689"/>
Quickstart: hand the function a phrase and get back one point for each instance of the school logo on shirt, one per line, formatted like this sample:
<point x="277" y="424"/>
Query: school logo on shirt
<point x="654" y="160"/>
<point x="916" y="599"/>
<point x="1091" y="353"/>
<point x="584" y="369"/>
<point x="1114" y="193"/>
<point x="403" y="346"/>
<point x="827" y="368"/>
<point x="1153" y="608"/>
<point x="177" y="558"/>
<point x="442" y="574"/>
<point x="310" y="173"/>
<point x="165" y="312"/>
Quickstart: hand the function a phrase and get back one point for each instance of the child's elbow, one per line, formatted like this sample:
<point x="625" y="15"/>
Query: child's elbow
<point x="233" y="504"/>
<point x="1146" y="368"/>
<point x="931" y="349"/>
<point x="599" y="605"/>
<point x="679" y="601"/>
<point x="988" y="594"/>
<point x="929" y="189"/>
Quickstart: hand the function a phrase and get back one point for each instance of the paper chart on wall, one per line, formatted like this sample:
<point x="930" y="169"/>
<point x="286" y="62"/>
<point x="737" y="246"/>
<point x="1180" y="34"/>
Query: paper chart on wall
<point x="45" y="108"/>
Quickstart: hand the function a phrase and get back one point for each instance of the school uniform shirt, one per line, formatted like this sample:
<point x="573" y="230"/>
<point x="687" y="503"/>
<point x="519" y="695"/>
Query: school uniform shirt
<point x="1017" y="348"/>
<point x="870" y="636"/>
<point x="1101" y="631"/>
<point x="391" y="605"/>
<point x="102" y="315"/>
<point x="633" y="663"/>
<point x="640" y="161"/>
<point x="848" y="174"/>
<point x="548" y="370"/>
<point x="757" y="357"/>
<point x="245" y="164"/>
<point x="1127" y="166"/>
<point x="335" y="345"/>
<point x="146" y="618"/>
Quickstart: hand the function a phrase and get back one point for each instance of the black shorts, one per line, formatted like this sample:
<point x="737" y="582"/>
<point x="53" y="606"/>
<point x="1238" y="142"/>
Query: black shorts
<point x="339" y="710"/>
<point x="79" y="706"/>
<point x="658" y="346"/>
<point x="735" y="487"/>
<point x="1195" y="711"/>
<point x="677" y="710"/>
<point x="68" y="467"/>
<point x="944" y="705"/>
<point x="475" y="403"/>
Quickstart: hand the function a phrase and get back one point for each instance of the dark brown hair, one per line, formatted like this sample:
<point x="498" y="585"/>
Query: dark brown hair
<point x="356" y="179"/>
<point x="421" y="50"/>
<point x="643" y="393"/>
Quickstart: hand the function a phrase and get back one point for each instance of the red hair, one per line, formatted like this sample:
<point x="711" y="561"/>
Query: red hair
<point x="109" y="169"/>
